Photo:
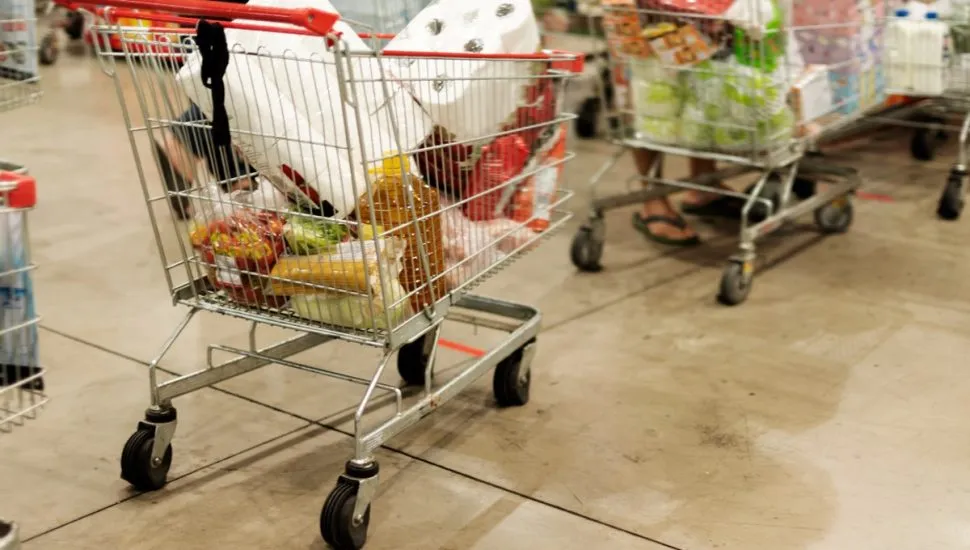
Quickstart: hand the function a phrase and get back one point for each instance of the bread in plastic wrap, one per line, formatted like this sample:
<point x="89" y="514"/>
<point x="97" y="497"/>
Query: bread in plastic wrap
<point x="356" y="266"/>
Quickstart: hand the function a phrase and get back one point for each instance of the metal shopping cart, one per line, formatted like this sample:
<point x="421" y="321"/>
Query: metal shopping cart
<point x="289" y="230"/>
<point x="22" y="391"/>
<point x="717" y="81"/>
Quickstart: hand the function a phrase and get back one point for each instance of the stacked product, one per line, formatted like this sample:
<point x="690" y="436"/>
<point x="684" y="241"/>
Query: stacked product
<point x="339" y="240"/>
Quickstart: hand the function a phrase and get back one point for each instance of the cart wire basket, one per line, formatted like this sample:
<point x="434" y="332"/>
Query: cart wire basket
<point x="312" y="192"/>
<point x="736" y="84"/>
<point x="19" y="78"/>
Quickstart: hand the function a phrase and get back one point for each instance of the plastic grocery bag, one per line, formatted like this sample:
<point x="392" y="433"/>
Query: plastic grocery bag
<point x="18" y="347"/>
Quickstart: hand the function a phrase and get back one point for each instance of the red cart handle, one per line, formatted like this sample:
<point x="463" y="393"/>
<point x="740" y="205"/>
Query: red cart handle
<point x="17" y="190"/>
<point x="316" y="21"/>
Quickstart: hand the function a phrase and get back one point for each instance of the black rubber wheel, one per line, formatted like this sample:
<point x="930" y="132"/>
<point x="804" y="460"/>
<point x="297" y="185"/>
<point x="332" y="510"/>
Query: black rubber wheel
<point x="48" y="51"/>
<point x="586" y="250"/>
<point x="923" y="144"/>
<point x="136" y="462"/>
<point x="75" y="25"/>
<point x="803" y="188"/>
<point x="951" y="201"/>
<point x="337" y="524"/>
<point x="512" y="379"/>
<point x="412" y="359"/>
<point x="736" y="283"/>
<point x="587" y="119"/>
<point x="835" y="217"/>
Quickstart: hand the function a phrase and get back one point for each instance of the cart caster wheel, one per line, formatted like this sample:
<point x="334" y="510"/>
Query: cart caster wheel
<point x="513" y="377"/>
<point x="835" y="217"/>
<point x="337" y="525"/>
<point x="412" y="359"/>
<point x="48" y="50"/>
<point x="136" y="462"/>
<point x="587" y="250"/>
<point x="736" y="283"/>
<point x="923" y="144"/>
<point x="951" y="201"/>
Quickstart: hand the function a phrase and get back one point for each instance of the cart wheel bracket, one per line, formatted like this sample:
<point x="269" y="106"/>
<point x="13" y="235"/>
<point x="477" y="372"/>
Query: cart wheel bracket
<point x="161" y="423"/>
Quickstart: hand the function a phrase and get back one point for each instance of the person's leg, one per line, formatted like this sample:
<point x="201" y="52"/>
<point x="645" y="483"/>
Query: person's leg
<point x="658" y="219"/>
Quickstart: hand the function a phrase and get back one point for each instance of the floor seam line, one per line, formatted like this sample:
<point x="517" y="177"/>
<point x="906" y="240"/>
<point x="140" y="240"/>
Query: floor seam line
<point x="329" y="427"/>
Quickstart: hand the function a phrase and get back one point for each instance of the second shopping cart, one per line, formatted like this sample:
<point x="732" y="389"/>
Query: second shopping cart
<point x="745" y="83"/>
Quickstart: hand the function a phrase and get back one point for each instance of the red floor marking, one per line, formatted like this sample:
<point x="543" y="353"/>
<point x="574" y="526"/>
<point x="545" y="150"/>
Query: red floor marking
<point x="877" y="197"/>
<point x="461" y="348"/>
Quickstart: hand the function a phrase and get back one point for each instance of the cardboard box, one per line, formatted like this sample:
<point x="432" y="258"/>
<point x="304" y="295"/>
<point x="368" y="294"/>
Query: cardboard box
<point x="811" y="95"/>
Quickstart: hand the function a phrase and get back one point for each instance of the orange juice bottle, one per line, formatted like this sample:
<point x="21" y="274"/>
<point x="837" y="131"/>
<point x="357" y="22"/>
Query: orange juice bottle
<point x="391" y="208"/>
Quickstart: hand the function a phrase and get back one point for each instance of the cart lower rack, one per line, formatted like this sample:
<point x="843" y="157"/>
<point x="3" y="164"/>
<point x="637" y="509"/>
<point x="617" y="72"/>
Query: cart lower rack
<point x="305" y="187"/>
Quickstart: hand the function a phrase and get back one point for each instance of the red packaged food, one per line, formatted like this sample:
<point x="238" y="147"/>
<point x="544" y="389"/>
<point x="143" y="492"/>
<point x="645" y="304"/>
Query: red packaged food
<point x="239" y="250"/>
<point x="537" y="110"/>
<point x="501" y="160"/>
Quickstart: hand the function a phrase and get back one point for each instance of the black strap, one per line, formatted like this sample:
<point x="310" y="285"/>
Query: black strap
<point x="210" y="38"/>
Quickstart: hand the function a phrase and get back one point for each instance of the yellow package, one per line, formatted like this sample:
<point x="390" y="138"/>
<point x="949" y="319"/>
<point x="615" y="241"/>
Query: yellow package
<point x="354" y="266"/>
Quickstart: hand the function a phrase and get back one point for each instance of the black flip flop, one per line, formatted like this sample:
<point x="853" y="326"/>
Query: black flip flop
<point x="642" y="224"/>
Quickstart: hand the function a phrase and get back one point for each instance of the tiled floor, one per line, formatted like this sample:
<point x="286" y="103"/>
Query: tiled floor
<point x="828" y="412"/>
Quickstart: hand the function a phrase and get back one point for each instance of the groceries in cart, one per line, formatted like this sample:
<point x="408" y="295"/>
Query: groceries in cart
<point x="338" y="194"/>
<point x="736" y="76"/>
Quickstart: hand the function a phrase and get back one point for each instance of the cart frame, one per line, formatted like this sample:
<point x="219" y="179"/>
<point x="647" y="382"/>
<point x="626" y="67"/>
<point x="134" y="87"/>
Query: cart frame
<point x="345" y="515"/>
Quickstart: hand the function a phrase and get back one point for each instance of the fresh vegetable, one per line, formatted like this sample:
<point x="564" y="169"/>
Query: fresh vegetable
<point x="310" y="235"/>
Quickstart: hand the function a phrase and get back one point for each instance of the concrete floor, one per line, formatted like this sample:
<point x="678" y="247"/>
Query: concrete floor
<point x="828" y="412"/>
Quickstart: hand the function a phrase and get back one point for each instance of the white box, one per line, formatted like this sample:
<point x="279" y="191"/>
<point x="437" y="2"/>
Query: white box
<point x="811" y="94"/>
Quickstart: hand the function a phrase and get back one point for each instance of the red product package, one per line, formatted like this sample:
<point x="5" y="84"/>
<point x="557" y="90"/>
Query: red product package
<point x="501" y="160"/>
<point x="538" y="110"/>
<point x="238" y="249"/>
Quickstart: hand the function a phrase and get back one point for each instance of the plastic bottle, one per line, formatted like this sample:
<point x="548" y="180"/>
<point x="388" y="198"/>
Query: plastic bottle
<point x="929" y="55"/>
<point x="898" y="51"/>
<point x="392" y="210"/>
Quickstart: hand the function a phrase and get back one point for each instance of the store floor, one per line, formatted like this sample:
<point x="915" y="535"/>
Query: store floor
<point x="828" y="412"/>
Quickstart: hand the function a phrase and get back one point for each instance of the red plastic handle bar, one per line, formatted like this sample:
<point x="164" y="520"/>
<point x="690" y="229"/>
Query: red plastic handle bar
<point x="316" y="21"/>
<point x="18" y="190"/>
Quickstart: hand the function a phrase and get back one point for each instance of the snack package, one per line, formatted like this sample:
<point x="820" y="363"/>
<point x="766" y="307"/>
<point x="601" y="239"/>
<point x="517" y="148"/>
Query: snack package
<point x="356" y="266"/>
<point x="355" y="310"/>
<point x="451" y="89"/>
<point x="238" y="251"/>
<point x="696" y="130"/>
<point x="501" y="160"/>
<point x="683" y="46"/>
<point x="621" y="22"/>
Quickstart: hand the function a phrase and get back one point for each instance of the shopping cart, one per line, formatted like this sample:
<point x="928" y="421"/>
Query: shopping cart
<point x="275" y="245"/>
<point x="933" y="73"/>
<point x="711" y="80"/>
<point x="22" y="391"/>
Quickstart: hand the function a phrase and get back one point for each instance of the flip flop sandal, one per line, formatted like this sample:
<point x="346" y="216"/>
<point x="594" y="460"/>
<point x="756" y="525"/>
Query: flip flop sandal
<point x="642" y="224"/>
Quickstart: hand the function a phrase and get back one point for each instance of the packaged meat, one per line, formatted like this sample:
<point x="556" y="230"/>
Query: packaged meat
<point x="356" y="266"/>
